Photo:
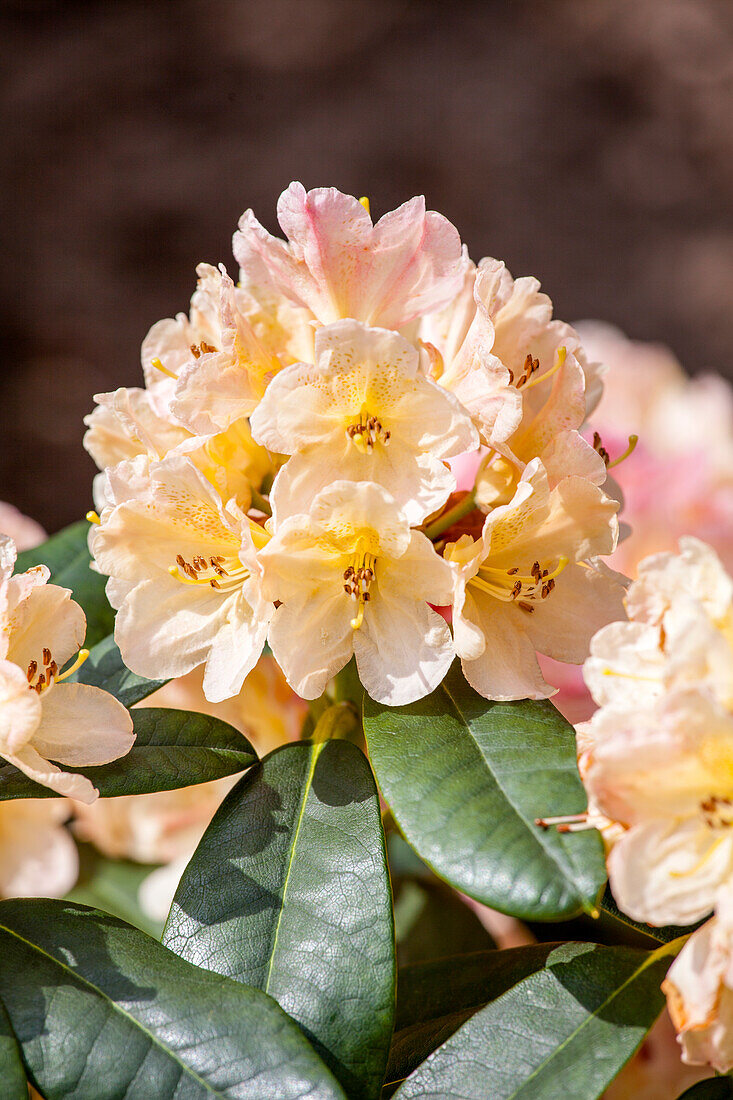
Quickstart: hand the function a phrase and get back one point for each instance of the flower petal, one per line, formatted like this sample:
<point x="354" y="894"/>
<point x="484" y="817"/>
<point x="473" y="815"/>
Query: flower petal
<point x="82" y="726"/>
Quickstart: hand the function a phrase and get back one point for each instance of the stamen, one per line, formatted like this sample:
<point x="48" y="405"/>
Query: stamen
<point x="164" y="370"/>
<point x="32" y="670"/>
<point x="80" y="659"/>
<point x="600" y="449"/>
<point x="633" y="440"/>
<point x="92" y="517"/>
<point x="559" y="360"/>
<point x="46" y="656"/>
<point x="365" y="203"/>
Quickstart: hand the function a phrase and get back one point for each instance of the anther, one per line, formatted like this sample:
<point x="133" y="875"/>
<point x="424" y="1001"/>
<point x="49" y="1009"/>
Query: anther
<point x="92" y="517"/>
<point x="513" y="570"/>
<point x="526" y="607"/>
<point x="600" y="449"/>
<point x="181" y="561"/>
<point x="46" y="656"/>
<point x="32" y="670"/>
<point x="517" y="590"/>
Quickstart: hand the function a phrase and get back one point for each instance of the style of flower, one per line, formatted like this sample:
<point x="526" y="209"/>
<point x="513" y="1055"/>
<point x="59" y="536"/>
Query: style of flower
<point x="38" y="857"/>
<point x="184" y="574"/>
<point x="337" y="264"/>
<point x="699" y="990"/>
<point x="526" y="585"/>
<point x="350" y="577"/>
<point x="367" y="411"/>
<point x="44" y="718"/>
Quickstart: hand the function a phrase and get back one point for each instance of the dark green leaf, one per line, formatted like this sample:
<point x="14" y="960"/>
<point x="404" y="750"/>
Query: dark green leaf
<point x="112" y="885"/>
<point x="104" y="668"/>
<point x="101" y="1011"/>
<point x="288" y="891"/>
<point x="67" y="556"/>
<point x="465" y="780"/>
<point x="435" y="998"/>
<point x="432" y="921"/>
<point x="714" y="1088"/>
<point x="12" y="1073"/>
<point x="173" y="748"/>
<point x="566" y="1030"/>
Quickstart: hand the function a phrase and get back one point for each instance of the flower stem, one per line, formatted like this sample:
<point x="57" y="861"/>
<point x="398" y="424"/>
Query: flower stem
<point x="458" y="511"/>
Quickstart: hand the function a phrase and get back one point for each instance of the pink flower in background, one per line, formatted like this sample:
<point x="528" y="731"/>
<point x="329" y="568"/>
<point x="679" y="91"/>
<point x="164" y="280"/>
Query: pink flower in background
<point x="23" y="530"/>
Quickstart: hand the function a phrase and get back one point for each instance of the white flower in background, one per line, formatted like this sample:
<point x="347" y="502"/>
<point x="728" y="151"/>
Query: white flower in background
<point x="184" y="574"/>
<point x="699" y="990"/>
<point x="366" y="412"/>
<point x="526" y="584"/>
<point x="38" y="857"/>
<point x="42" y="718"/>
<point x="337" y="264"/>
<point x="352" y="578"/>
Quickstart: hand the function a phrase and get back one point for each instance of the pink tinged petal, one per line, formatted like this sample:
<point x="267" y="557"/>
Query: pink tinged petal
<point x="127" y="423"/>
<point x="47" y="619"/>
<point x="584" y="600"/>
<point x="508" y="668"/>
<point x="82" y="726"/>
<point x="403" y="649"/>
<point x="666" y="872"/>
<point x="312" y="640"/>
<point x="568" y="453"/>
<point x="169" y="341"/>
<point x="165" y="628"/>
<point x="20" y="709"/>
<point x="32" y="764"/>
<point x="23" y="531"/>
<point x="212" y="392"/>
<point x="8" y="554"/>
<point x="38" y="857"/>
<point x="625" y="663"/>
<point x="301" y="407"/>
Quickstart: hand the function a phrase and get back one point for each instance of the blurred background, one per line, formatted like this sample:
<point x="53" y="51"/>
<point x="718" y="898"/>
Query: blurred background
<point x="588" y="142"/>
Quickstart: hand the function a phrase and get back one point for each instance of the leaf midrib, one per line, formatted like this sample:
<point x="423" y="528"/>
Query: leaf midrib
<point x="537" y="842"/>
<point x="315" y="753"/>
<point x="651" y="958"/>
<point x="117" y="1008"/>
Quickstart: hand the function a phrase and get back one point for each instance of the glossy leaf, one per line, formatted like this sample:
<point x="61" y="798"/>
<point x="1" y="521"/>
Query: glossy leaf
<point x="101" y="1011"/>
<point x="173" y="748"/>
<point x="566" y="1030"/>
<point x="12" y="1073"/>
<point x="713" y="1088"/>
<point x="288" y="891"/>
<point x="67" y="556"/>
<point x="434" y="998"/>
<point x="104" y="668"/>
<point x="465" y="779"/>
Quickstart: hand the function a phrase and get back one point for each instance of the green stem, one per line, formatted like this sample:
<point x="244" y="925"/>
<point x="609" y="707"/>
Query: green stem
<point x="261" y="503"/>
<point x="458" y="511"/>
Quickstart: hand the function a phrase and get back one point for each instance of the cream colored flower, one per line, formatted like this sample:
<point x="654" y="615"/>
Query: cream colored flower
<point x="523" y="375"/>
<point x="699" y="990"/>
<point x="680" y="632"/>
<point x="527" y="586"/>
<point x="184" y="574"/>
<point x="364" y="412"/>
<point x="42" y="718"/>
<point x="38" y="858"/>
<point x="352" y="578"/>
<point x="664" y="771"/>
<point x="337" y="264"/>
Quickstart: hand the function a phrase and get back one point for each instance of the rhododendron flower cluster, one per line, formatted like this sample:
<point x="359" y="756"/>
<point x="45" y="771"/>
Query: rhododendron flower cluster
<point x="657" y="761"/>
<point x="284" y="474"/>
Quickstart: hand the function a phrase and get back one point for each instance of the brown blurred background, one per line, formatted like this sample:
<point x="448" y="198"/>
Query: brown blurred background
<point x="589" y="142"/>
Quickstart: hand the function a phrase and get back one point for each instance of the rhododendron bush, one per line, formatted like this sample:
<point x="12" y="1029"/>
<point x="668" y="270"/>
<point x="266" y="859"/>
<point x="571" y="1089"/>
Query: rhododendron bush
<point x="276" y="722"/>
